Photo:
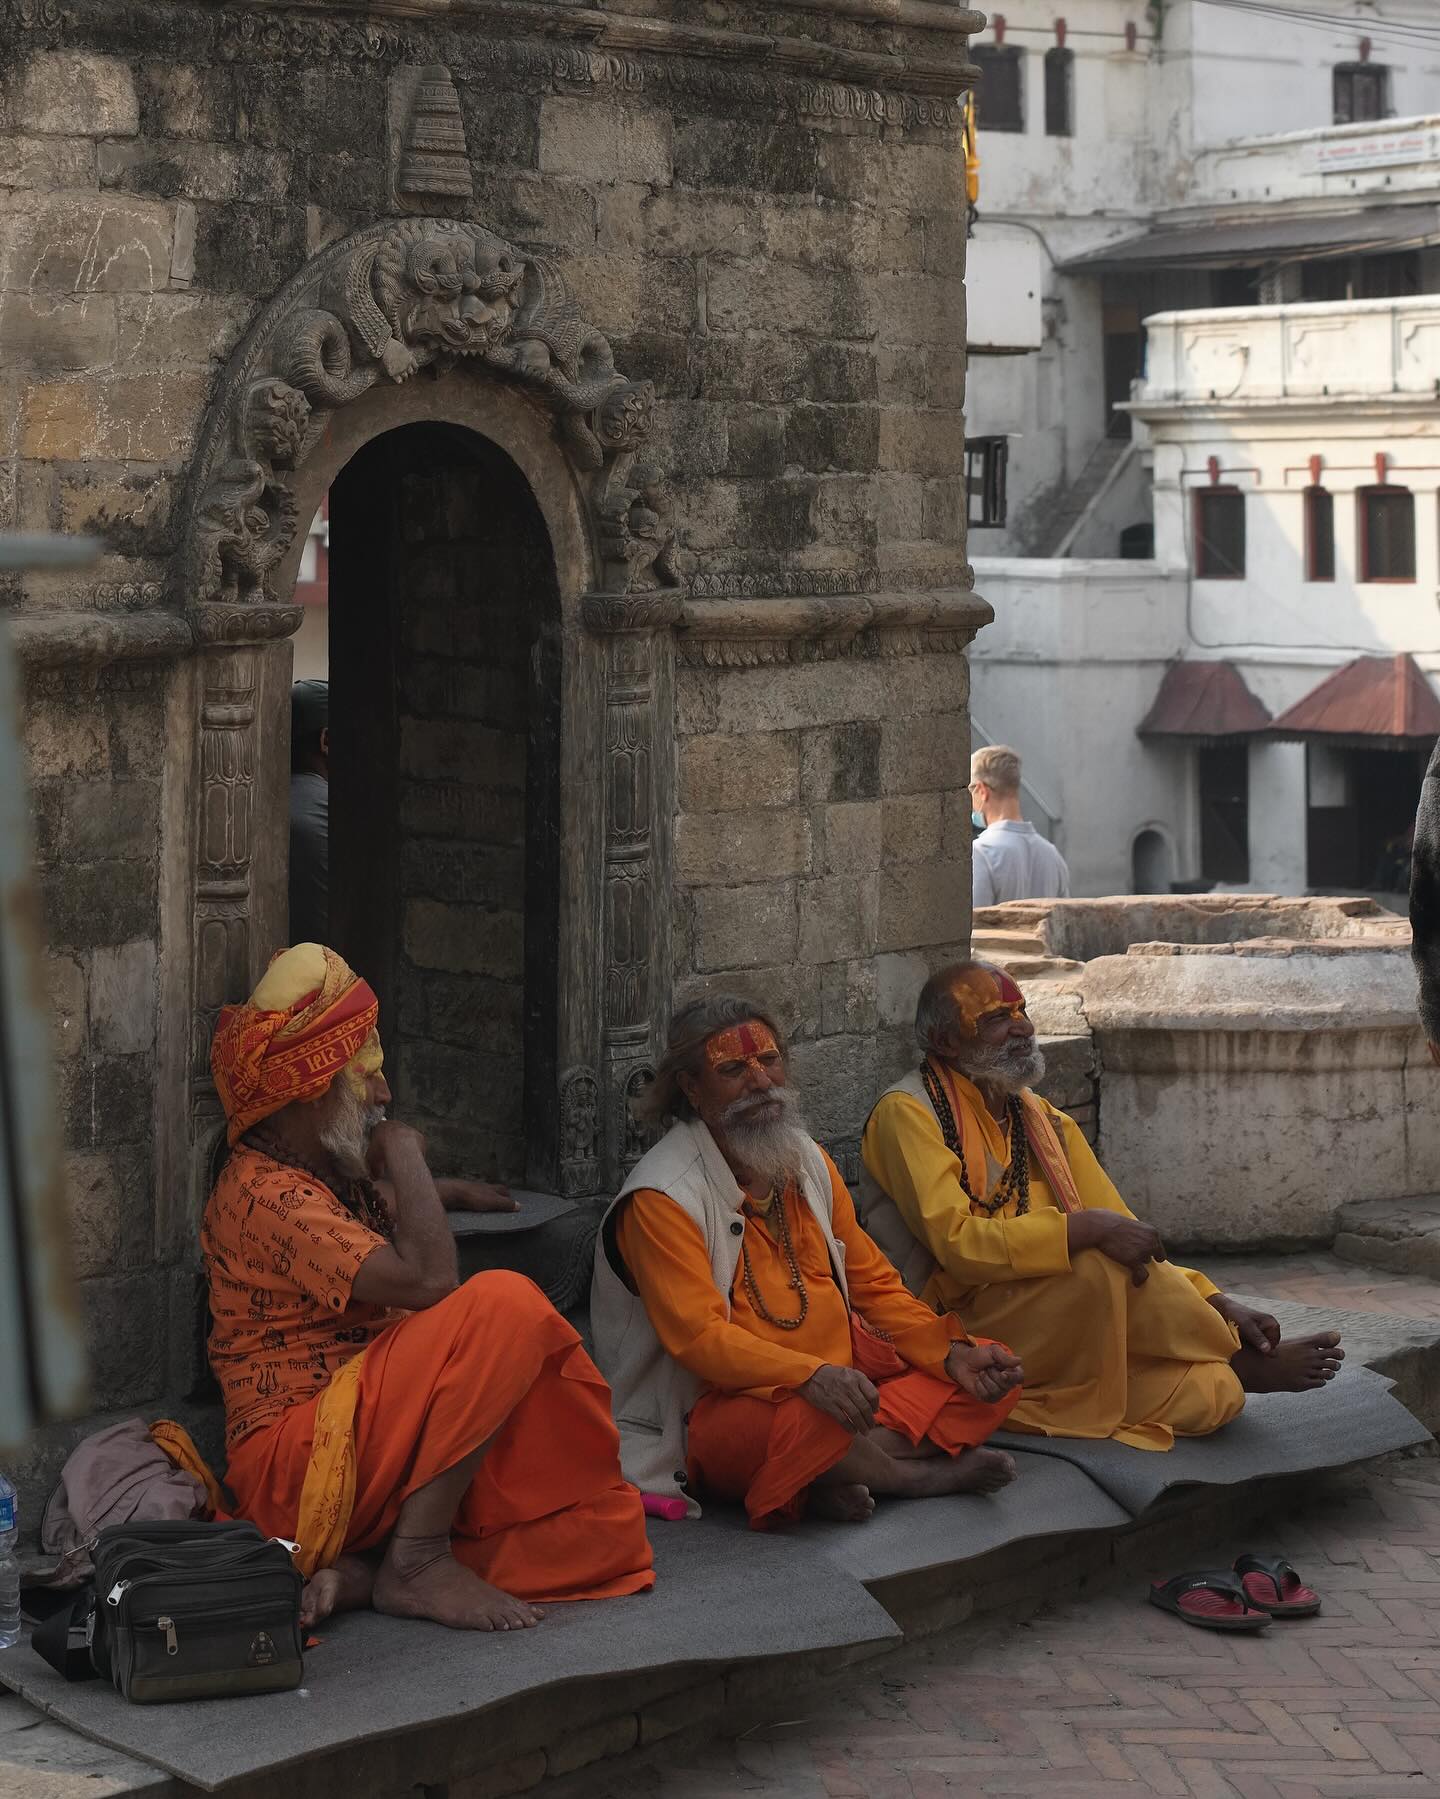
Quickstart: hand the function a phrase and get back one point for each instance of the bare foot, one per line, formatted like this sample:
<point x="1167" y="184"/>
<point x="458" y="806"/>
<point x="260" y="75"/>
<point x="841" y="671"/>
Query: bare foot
<point x="972" y="1471"/>
<point x="344" y="1587"/>
<point x="901" y="1448"/>
<point x="1296" y="1365"/>
<point x="420" y="1578"/>
<point x="845" y="1503"/>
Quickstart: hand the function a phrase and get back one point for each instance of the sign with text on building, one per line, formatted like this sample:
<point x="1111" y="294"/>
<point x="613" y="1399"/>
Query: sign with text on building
<point x="1375" y="150"/>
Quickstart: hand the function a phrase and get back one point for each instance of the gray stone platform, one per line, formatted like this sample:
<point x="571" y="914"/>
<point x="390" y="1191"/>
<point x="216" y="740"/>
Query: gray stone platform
<point x="737" y="1622"/>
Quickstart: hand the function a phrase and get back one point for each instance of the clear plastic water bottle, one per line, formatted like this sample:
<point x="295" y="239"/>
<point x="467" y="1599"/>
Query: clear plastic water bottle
<point x="9" y="1567"/>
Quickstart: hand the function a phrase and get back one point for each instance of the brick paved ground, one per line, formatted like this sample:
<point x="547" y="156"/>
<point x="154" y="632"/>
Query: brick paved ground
<point x="1108" y="1696"/>
<point x="1315" y="1277"/>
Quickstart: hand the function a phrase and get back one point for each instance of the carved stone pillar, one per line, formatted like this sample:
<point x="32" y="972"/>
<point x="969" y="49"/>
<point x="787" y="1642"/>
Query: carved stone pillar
<point x="635" y="898"/>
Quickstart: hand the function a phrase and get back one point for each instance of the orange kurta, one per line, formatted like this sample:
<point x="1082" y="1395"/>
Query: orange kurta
<point x="751" y="1436"/>
<point x="547" y="1517"/>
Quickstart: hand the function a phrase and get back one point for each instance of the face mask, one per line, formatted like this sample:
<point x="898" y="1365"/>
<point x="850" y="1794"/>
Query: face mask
<point x="978" y="820"/>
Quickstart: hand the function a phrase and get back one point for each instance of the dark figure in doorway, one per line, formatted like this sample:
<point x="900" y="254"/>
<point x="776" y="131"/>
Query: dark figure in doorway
<point x="310" y="812"/>
<point x="1425" y="902"/>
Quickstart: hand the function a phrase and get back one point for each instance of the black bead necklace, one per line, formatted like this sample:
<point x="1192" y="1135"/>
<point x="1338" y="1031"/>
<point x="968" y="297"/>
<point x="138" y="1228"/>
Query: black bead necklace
<point x="797" y="1279"/>
<point x="1016" y="1182"/>
<point x="358" y="1197"/>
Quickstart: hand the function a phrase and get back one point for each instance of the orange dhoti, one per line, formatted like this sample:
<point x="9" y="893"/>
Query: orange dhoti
<point x="767" y="1452"/>
<point x="547" y="1517"/>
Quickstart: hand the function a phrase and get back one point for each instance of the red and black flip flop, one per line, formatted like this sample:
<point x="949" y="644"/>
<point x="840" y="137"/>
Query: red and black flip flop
<point x="1209" y="1601"/>
<point x="1273" y="1585"/>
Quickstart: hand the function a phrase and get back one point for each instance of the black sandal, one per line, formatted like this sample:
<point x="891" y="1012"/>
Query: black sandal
<point x="1219" y="1603"/>
<point x="1272" y="1584"/>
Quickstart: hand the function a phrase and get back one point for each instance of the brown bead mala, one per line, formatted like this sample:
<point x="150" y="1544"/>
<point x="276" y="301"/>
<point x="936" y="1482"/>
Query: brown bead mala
<point x="1016" y="1184"/>
<point x="797" y="1279"/>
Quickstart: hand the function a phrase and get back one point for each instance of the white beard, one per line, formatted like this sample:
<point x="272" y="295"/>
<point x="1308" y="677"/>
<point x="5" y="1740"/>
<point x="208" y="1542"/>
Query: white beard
<point x="773" y="1149"/>
<point x="1004" y="1068"/>
<point x="345" y="1131"/>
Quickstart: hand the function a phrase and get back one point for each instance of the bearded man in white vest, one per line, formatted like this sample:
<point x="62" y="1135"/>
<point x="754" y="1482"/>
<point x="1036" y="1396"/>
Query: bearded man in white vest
<point x="759" y="1346"/>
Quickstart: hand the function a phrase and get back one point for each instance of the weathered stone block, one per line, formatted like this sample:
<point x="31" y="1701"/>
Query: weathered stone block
<point x="501" y="128"/>
<point x="446" y="809"/>
<point x="743" y="296"/>
<point x="541" y="212"/>
<point x="442" y="750"/>
<point x="803" y="228"/>
<point x="97" y="820"/>
<point x="921" y="309"/>
<point x="898" y="980"/>
<point x="922" y="903"/>
<point x="123" y="998"/>
<point x="746" y="153"/>
<point x="175" y="331"/>
<point x="444" y="1007"/>
<point x="681" y="1711"/>
<point x="464" y="940"/>
<point x="691" y="439"/>
<point x="833" y="437"/>
<point x="837" y="917"/>
<point x="91" y="903"/>
<point x="516" y="1776"/>
<point x="791" y="990"/>
<point x="47" y="163"/>
<point x="903" y="376"/>
<point x="838" y="1080"/>
<point x="721" y="848"/>
<point x="778" y="515"/>
<point x="121" y="418"/>
<point x="946" y="506"/>
<point x="489" y="876"/>
<point x="107" y="1101"/>
<point x="927" y="442"/>
<point x="616" y="290"/>
<point x="183" y="100"/>
<point x="913" y="829"/>
<point x="125" y="1324"/>
<point x="847" y="998"/>
<point x="852" y="837"/>
<point x="65" y="987"/>
<point x="244" y="249"/>
<point x="81" y="243"/>
<point x="947" y="378"/>
<point x="92" y="1197"/>
<point x="129" y="510"/>
<point x="60" y="92"/>
<point x="757" y="441"/>
<point x="595" y="1742"/>
<point x="727" y="774"/>
<point x="170" y="167"/>
<point x="50" y="332"/>
<point x="599" y="141"/>
<point x="672" y="221"/>
<point x="927" y="754"/>
<point x="65" y="740"/>
<point x="744" y="927"/>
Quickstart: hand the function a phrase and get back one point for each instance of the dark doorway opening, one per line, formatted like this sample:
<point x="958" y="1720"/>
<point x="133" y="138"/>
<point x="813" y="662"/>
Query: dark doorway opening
<point x="1361" y="817"/>
<point x="1224" y="777"/>
<point x="444" y="788"/>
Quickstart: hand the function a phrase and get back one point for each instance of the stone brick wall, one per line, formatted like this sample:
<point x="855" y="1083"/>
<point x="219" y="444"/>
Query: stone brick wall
<point x="762" y="212"/>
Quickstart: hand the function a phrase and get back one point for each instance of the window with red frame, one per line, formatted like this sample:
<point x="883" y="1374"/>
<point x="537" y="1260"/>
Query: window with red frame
<point x="1319" y="534"/>
<point x="1220" y="534"/>
<point x="1386" y="528"/>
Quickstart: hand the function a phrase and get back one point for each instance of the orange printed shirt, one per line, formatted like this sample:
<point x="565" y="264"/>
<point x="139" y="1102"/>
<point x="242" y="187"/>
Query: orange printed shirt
<point x="281" y="1254"/>
<point x="740" y="1350"/>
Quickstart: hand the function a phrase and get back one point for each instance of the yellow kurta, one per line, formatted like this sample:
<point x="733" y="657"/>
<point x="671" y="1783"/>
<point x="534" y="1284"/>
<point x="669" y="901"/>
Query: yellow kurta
<point x="1103" y="1357"/>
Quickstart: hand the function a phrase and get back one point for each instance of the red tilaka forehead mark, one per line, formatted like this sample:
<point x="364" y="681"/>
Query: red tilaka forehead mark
<point x="742" y="1043"/>
<point x="979" y="993"/>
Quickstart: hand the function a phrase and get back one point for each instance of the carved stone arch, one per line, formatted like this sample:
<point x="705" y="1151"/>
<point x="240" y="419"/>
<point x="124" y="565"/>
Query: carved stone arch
<point x="441" y="319"/>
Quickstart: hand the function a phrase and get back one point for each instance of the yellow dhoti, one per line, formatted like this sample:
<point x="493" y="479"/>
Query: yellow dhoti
<point x="1103" y="1357"/>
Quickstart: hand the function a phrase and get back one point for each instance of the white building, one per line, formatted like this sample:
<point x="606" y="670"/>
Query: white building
<point x="1215" y="506"/>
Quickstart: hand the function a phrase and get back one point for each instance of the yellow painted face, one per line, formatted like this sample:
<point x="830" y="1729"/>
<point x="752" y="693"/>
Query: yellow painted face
<point x="364" y="1066"/>
<point x="982" y="994"/>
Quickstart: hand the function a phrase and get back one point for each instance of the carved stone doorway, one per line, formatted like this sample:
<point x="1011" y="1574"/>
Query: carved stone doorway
<point x="445" y="654"/>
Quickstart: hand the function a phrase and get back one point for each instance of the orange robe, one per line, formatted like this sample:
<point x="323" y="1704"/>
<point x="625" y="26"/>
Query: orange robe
<point x="751" y="1437"/>
<point x="548" y="1516"/>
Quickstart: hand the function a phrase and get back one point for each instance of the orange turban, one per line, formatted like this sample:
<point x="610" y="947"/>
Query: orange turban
<point x="310" y="1017"/>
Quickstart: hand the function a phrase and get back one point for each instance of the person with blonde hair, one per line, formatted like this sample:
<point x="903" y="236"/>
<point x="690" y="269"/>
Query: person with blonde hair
<point x="1010" y="860"/>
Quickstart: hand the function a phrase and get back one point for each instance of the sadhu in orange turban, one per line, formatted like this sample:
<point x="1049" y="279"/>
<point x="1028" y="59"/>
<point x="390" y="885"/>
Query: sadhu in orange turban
<point x="310" y="1017"/>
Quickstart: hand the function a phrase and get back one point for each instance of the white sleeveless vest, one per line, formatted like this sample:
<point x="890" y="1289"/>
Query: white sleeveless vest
<point x="882" y="1218"/>
<point x="651" y="1394"/>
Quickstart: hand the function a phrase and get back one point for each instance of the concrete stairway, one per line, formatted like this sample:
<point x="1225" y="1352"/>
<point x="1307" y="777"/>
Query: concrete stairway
<point x="1076" y="499"/>
<point x="1399" y="1235"/>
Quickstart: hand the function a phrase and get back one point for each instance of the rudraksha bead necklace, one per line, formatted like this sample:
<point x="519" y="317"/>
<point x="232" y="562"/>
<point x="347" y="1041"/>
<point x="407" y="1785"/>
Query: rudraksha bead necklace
<point x="1016" y="1182"/>
<point x="358" y="1197"/>
<point x="797" y="1279"/>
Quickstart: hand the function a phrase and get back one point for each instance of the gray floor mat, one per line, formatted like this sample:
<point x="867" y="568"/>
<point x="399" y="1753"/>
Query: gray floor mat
<point x="1354" y="1419"/>
<point x="908" y="1536"/>
<point x="717" y="1600"/>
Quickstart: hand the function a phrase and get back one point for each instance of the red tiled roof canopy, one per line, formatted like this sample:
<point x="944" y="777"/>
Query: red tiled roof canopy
<point x="1377" y="701"/>
<point x="1204" y="700"/>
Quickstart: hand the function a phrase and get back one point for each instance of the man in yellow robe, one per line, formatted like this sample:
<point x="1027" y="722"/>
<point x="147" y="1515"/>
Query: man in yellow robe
<point x="993" y="1205"/>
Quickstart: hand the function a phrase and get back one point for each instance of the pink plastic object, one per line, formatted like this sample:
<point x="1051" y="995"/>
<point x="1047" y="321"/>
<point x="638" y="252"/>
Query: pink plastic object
<point x="659" y="1506"/>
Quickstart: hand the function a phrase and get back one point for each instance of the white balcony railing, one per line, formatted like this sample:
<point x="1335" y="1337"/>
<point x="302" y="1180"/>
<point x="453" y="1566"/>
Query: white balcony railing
<point x="1341" y="350"/>
<point x="1393" y="157"/>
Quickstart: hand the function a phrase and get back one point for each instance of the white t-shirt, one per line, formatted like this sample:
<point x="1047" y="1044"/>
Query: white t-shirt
<point x="1012" y="861"/>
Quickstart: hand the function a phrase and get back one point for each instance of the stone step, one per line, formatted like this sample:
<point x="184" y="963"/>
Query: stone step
<point x="1400" y="1235"/>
